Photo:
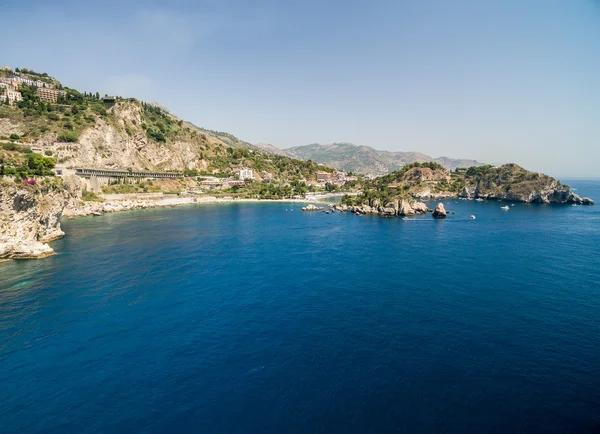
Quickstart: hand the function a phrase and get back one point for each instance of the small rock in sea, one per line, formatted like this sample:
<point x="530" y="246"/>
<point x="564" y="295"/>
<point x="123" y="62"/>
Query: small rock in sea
<point x="439" y="212"/>
<point x="312" y="207"/>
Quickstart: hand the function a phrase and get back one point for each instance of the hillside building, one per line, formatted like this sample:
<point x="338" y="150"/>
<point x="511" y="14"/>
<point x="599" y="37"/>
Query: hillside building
<point x="13" y="96"/>
<point x="50" y="95"/>
<point x="244" y="174"/>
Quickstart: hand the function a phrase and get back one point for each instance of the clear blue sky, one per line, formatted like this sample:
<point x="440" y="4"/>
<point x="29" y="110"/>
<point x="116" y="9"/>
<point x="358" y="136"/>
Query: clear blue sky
<point x="510" y="80"/>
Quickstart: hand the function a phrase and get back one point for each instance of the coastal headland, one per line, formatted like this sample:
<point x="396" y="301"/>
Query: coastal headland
<point x="67" y="154"/>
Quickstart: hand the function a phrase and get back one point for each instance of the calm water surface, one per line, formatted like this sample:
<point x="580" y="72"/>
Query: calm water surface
<point x="256" y="318"/>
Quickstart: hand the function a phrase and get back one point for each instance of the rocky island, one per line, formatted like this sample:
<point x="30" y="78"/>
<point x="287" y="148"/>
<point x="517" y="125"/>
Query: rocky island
<point x="400" y="193"/>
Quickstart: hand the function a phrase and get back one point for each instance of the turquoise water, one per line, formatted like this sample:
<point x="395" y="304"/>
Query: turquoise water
<point x="256" y="318"/>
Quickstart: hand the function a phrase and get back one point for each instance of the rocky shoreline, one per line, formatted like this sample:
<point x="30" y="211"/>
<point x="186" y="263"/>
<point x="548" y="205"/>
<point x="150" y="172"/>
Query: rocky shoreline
<point x="401" y="208"/>
<point x="30" y="215"/>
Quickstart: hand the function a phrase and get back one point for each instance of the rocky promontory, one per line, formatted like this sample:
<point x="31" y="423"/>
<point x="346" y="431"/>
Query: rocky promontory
<point x="30" y="215"/>
<point x="508" y="182"/>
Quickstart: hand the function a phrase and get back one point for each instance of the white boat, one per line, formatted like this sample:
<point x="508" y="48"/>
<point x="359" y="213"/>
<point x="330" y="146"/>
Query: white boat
<point x="472" y="217"/>
<point x="505" y="207"/>
<point x="479" y="199"/>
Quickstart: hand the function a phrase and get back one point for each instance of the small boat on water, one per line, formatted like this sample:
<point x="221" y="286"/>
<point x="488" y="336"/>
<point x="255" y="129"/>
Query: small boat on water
<point x="505" y="207"/>
<point x="479" y="199"/>
<point x="472" y="217"/>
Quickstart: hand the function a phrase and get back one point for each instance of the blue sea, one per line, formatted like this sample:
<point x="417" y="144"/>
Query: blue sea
<point x="259" y="318"/>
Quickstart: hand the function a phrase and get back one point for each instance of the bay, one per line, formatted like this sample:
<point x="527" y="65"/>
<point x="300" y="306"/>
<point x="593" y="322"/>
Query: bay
<point x="262" y="318"/>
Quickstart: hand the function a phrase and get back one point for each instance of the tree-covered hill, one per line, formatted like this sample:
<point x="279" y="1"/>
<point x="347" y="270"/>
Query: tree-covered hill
<point x="430" y="180"/>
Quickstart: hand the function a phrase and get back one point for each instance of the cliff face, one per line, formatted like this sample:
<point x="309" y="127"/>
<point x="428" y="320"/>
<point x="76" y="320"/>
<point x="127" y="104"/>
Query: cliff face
<point x="30" y="214"/>
<point x="119" y="140"/>
<point x="549" y="193"/>
<point x="131" y="134"/>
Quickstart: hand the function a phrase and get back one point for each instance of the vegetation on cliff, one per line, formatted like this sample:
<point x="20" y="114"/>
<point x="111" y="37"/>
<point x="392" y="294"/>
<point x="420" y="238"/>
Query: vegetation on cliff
<point x="21" y="161"/>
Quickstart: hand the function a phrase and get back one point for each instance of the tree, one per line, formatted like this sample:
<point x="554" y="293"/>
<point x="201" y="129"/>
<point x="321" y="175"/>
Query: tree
<point x="39" y="164"/>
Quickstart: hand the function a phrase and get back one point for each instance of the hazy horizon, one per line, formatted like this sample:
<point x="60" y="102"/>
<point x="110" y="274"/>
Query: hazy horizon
<point x="497" y="82"/>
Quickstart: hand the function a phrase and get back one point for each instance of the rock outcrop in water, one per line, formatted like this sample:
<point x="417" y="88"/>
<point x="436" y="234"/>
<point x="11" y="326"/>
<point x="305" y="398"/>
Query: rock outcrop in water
<point x="312" y="207"/>
<point x="30" y="216"/>
<point x="439" y="212"/>
<point x="392" y="209"/>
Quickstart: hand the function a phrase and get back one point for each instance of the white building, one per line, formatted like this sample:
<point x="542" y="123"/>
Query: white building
<point x="28" y="81"/>
<point x="244" y="174"/>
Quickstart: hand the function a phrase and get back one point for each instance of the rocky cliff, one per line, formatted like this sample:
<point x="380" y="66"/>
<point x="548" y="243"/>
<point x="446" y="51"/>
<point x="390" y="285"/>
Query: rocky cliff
<point x="30" y="216"/>
<point x="130" y="134"/>
<point x="511" y="182"/>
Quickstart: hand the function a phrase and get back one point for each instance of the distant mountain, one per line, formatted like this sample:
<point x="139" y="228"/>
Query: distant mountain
<point x="363" y="159"/>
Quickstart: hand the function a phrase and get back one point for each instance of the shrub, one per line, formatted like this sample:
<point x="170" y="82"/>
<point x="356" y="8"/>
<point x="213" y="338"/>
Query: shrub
<point x="11" y="146"/>
<point x="155" y="135"/>
<point x="14" y="136"/>
<point x="99" y="109"/>
<point x="67" y="136"/>
<point x="53" y="116"/>
<point x="89" y="196"/>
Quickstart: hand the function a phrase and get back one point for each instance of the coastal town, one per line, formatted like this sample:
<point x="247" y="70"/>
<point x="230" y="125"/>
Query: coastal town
<point x="11" y="81"/>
